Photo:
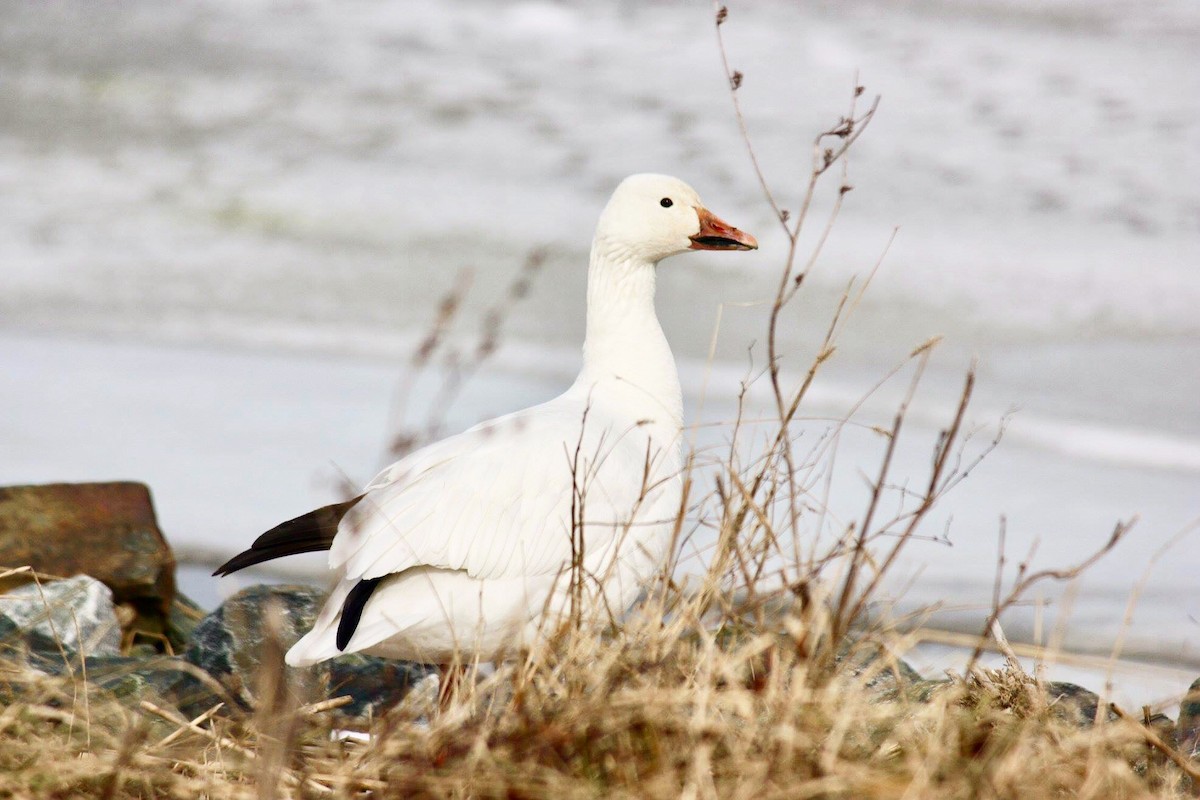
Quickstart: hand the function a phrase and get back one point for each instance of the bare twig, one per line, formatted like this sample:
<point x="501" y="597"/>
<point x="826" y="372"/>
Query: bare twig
<point x="1026" y="580"/>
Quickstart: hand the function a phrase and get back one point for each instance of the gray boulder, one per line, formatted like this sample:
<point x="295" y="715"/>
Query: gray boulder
<point x="76" y="615"/>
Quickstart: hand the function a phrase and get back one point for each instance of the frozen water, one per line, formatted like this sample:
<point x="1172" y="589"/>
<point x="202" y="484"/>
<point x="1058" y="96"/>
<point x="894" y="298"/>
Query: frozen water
<point x="286" y="175"/>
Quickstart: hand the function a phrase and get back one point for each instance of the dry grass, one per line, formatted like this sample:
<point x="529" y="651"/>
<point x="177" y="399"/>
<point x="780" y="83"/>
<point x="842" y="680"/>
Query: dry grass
<point x="765" y="679"/>
<point x="681" y="708"/>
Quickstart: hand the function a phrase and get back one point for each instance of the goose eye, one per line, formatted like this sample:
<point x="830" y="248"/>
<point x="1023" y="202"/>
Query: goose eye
<point x="666" y="202"/>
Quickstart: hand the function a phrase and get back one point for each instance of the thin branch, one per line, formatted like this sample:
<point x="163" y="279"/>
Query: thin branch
<point x="1027" y="581"/>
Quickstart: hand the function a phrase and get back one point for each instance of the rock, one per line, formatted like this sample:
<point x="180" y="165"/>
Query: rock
<point x="76" y="614"/>
<point x="888" y="677"/>
<point x="169" y="680"/>
<point x="163" y="680"/>
<point x="1187" y="730"/>
<point x="373" y="684"/>
<point x="182" y="620"/>
<point x="230" y="644"/>
<point x="1075" y="704"/>
<point x="106" y="530"/>
<point x="924" y="691"/>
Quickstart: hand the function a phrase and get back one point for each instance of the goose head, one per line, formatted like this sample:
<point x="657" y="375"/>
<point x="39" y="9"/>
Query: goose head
<point x="656" y="216"/>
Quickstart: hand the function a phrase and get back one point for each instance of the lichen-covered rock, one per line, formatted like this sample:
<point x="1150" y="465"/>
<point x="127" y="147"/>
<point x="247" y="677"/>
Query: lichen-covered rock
<point x="1187" y="730"/>
<point x="106" y="530"/>
<point x="230" y="644"/>
<point x="60" y="618"/>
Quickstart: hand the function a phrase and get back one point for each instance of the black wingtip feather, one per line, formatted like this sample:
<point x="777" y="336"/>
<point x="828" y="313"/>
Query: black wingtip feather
<point x="306" y="533"/>
<point x="352" y="610"/>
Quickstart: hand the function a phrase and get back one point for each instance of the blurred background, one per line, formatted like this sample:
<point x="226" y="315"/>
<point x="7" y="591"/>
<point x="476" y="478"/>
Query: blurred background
<point x="225" y="226"/>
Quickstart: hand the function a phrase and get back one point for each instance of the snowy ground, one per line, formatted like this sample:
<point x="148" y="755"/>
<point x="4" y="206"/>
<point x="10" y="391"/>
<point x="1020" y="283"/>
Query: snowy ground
<point x="223" y="225"/>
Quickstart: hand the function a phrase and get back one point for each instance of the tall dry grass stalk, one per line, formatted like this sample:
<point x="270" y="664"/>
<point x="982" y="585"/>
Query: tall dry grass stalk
<point x="763" y="679"/>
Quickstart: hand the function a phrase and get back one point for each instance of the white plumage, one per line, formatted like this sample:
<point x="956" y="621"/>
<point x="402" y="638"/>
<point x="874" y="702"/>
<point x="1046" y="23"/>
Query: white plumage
<point x="474" y="536"/>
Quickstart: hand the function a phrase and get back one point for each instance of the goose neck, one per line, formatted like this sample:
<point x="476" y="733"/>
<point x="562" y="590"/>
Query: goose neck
<point x="625" y="348"/>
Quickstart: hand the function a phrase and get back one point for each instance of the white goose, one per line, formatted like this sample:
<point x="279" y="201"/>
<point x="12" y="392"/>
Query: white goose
<point x="469" y="547"/>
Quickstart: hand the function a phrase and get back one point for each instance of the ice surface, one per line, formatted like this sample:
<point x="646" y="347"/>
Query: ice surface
<point x="235" y="171"/>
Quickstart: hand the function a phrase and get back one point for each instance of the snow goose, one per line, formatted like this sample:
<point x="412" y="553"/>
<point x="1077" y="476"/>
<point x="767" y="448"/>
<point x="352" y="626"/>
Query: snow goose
<point x="470" y="546"/>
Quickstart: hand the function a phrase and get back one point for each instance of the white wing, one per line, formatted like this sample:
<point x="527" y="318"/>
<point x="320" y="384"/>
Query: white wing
<point x="498" y="500"/>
